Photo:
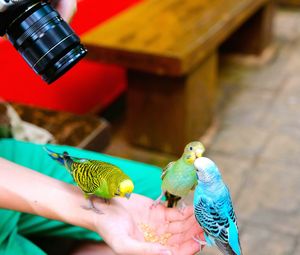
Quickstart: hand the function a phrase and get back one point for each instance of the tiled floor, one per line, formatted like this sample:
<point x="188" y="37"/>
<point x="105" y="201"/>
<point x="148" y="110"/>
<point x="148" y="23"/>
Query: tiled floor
<point x="257" y="145"/>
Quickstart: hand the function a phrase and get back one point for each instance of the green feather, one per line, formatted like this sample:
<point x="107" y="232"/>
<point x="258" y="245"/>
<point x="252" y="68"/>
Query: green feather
<point x="93" y="177"/>
<point x="179" y="177"/>
<point x="96" y="177"/>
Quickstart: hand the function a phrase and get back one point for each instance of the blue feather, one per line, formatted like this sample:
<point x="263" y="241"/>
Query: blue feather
<point x="213" y="208"/>
<point x="56" y="156"/>
<point x="234" y="237"/>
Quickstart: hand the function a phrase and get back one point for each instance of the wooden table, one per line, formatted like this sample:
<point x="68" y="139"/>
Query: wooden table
<point x="170" y="49"/>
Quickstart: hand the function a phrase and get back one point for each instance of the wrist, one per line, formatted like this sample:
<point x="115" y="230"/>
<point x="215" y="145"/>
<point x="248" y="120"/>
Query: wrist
<point x="25" y="190"/>
<point x="68" y="207"/>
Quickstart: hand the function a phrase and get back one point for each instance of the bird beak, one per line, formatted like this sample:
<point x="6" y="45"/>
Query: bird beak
<point x="199" y="153"/>
<point x="127" y="195"/>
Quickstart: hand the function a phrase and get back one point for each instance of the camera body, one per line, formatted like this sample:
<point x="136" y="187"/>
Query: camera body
<point x="11" y="9"/>
<point x="42" y="37"/>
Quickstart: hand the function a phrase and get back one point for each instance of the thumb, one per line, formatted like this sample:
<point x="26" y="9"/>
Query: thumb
<point x="134" y="247"/>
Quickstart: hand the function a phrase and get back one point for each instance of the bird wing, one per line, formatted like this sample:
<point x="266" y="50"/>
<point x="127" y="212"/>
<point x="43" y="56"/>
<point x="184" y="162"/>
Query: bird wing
<point x="219" y="221"/>
<point x="165" y="170"/>
<point x="211" y="221"/>
<point x="87" y="175"/>
<point x="79" y="160"/>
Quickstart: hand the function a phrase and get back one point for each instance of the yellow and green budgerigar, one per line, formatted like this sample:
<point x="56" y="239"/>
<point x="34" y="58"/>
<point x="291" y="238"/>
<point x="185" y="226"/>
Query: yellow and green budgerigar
<point x="179" y="177"/>
<point x="95" y="177"/>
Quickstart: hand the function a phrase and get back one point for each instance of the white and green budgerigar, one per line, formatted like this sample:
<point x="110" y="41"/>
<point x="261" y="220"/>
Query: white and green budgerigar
<point x="95" y="177"/>
<point x="179" y="177"/>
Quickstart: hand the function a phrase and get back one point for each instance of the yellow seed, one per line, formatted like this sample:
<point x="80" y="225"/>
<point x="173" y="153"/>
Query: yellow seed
<point x="150" y="235"/>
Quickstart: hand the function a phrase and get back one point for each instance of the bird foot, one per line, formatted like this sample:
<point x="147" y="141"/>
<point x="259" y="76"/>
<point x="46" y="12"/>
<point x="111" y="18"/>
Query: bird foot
<point x="92" y="207"/>
<point x="200" y="242"/>
<point x="158" y="200"/>
<point x="182" y="208"/>
<point x="106" y="201"/>
<point x="155" y="203"/>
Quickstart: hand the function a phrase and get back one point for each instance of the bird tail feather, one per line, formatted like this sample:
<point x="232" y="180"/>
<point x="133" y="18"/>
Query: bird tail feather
<point x="225" y="248"/>
<point x="62" y="158"/>
<point x="56" y="156"/>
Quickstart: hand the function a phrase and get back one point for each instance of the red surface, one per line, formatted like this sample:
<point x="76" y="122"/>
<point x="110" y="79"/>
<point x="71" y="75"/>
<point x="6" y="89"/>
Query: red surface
<point x="87" y="86"/>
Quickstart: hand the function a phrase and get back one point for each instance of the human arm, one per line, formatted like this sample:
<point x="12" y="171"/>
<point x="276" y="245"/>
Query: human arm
<point x="28" y="191"/>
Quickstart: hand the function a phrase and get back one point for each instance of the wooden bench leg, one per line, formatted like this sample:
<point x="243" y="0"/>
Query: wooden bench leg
<point x="165" y="113"/>
<point x="254" y="35"/>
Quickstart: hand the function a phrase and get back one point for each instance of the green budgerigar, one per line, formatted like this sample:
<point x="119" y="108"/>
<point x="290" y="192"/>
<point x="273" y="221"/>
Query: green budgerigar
<point x="95" y="177"/>
<point x="179" y="177"/>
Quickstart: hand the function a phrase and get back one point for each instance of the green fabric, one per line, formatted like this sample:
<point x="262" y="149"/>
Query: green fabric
<point x="15" y="226"/>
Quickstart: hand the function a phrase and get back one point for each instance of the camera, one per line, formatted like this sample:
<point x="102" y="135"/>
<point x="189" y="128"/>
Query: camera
<point x="42" y="37"/>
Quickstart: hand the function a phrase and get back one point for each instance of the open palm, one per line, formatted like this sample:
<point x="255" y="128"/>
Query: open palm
<point x="123" y="233"/>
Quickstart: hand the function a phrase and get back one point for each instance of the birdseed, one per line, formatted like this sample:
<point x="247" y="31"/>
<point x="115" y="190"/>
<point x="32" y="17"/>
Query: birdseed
<point x="150" y="235"/>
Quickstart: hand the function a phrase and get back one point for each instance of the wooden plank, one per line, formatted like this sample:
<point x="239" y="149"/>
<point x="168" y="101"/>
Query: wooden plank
<point x="167" y="37"/>
<point x="165" y="113"/>
<point x="254" y="35"/>
<point x="289" y="2"/>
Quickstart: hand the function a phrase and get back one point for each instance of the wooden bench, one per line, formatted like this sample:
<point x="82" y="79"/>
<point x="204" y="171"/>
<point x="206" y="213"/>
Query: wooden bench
<point x="290" y="2"/>
<point x="170" y="49"/>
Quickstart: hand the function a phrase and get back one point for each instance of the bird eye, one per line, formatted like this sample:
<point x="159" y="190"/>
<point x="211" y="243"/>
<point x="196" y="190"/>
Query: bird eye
<point x="191" y="148"/>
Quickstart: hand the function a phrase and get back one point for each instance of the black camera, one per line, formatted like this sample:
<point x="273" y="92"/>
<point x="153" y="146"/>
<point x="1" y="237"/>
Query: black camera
<point x="41" y="36"/>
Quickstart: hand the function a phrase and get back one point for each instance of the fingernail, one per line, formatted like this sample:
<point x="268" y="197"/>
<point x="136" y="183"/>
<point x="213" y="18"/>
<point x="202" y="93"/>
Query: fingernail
<point x="166" y="252"/>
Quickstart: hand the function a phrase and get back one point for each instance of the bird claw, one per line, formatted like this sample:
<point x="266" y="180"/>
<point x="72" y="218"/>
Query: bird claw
<point x="199" y="241"/>
<point x="92" y="207"/>
<point x="155" y="203"/>
<point x="182" y="208"/>
<point x="106" y="201"/>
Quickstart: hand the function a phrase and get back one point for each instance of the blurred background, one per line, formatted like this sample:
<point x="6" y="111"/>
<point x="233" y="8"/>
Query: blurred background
<point x="160" y="74"/>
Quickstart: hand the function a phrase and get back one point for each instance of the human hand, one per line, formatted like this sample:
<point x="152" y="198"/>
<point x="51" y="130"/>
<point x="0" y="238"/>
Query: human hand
<point x="120" y="227"/>
<point x="66" y="8"/>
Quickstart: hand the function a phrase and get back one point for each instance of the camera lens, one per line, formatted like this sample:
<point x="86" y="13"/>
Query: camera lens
<point x="45" y="41"/>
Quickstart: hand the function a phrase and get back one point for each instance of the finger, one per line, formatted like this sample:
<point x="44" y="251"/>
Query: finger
<point x="173" y="214"/>
<point x="188" y="247"/>
<point x="181" y="226"/>
<point x="195" y="231"/>
<point x="67" y="8"/>
<point x="134" y="247"/>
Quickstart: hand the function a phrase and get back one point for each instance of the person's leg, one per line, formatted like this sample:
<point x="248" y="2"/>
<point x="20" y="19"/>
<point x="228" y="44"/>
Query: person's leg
<point x="11" y="242"/>
<point x="90" y="248"/>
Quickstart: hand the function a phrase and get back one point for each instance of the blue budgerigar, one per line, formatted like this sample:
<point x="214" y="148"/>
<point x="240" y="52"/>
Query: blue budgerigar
<point x="213" y="209"/>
